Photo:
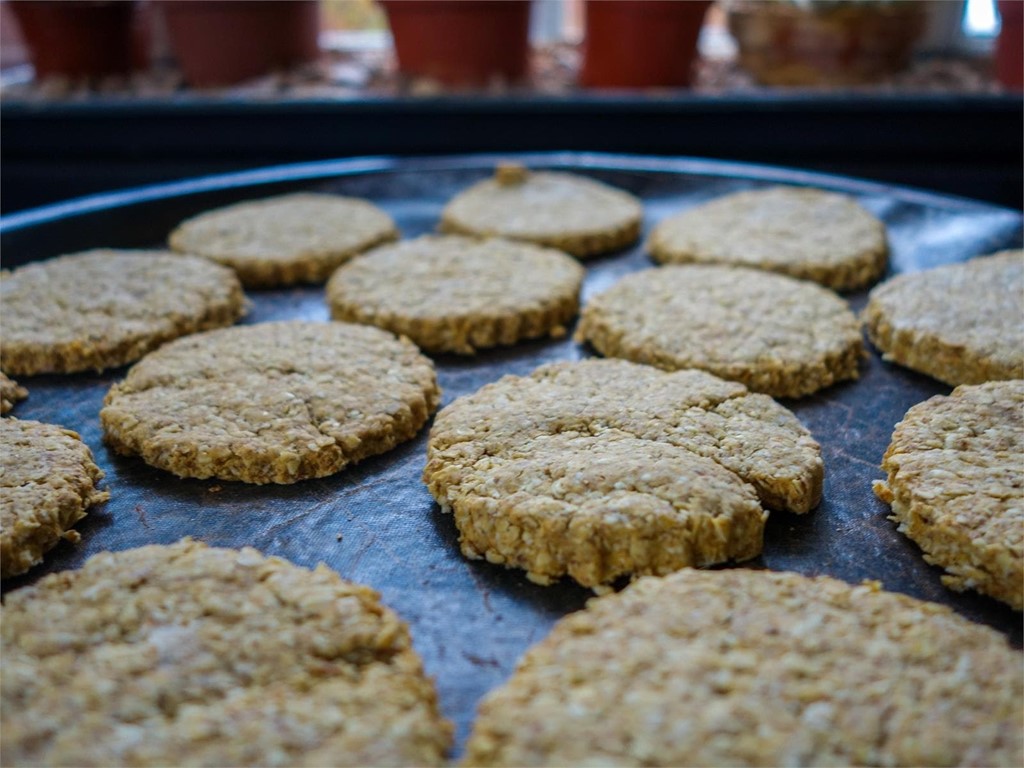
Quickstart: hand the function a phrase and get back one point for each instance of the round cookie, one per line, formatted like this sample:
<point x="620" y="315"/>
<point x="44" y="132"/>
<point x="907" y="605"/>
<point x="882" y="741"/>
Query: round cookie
<point x="10" y="393"/>
<point x="603" y="468"/>
<point x="459" y="294"/>
<point x="48" y="480"/>
<point x="806" y="233"/>
<point x="104" y="308"/>
<point x="961" y="324"/>
<point x="740" y="667"/>
<point x="297" y="238"/>
<point x="956" y="486"/>
<point x="188" y="655"/>
<point x="777" y="335"/>
<point x="271" y="403"/>
<point x="562" y="210"/>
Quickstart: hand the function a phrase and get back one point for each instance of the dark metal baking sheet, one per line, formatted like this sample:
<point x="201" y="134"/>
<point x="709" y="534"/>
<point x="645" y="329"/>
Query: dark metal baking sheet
<point x="376" y="523"/>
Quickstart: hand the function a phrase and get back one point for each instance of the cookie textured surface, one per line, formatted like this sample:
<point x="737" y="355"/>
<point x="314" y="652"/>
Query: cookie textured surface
<point x="956" y="486"/>
<point x="459" y="294"/>
<point x="104" y="308"/>
<point x="774" y="334"/>
<point x="187" y="655"/>
<point x="271" y="403"/>
<point x="738" y="667"/>
<point x="562" y="210"/>
<point x="604" y="468"/>
<point x="48" y="480"/>
<point x="299" y="238"/>
<point x="806" y="233"/>
<point x="961" y="324"/>
<point x="10" y="393"/>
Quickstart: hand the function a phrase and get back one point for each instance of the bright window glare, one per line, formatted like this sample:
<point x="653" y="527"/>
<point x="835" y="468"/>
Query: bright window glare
<point x="980" y="19"/>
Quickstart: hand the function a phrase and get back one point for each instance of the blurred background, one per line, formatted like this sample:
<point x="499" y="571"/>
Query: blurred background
<point x="97" y="96"/>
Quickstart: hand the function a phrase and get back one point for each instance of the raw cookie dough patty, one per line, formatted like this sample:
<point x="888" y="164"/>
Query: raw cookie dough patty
<point x="104" y="308"/>
<point x="186" y="655"/>
<point x="299" y="238"/>
<point x="776" y="335"/>
<point x="10" y="393"/>
<point x="48" y="480"/>
<point x="572" y="213"/>
<point x="807" y="233"/>
<point x="459" y="294"/>
<point x="604" y="468"/>
<point x="738" y="667"/>
<point x="956" y="485"/>
<point x="271" y="403"/>
<point x="962" y="323"/>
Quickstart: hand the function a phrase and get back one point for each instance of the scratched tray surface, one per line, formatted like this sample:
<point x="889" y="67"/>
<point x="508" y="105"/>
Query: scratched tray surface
<point x="376" y="524"/>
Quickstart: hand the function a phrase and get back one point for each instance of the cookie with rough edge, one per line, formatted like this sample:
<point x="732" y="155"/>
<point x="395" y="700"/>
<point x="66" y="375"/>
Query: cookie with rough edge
<point x="806" y="233"/>
<point x="48" y="479"/>
<point x="603" y="468"/>
<point x="956" y="485"/>
<point x="774" y="334"/>
<point x="575" y="214"/>
<point x="297" y="238"/>
<point x="10" y="393"/>
<point x="105" y="308"/>
<point x="459" y="294"/>
<point x="189" y="655"/>
<point x="271" y="403"/>
<point x="741" y="667"/>
<point x="961" y="324"/>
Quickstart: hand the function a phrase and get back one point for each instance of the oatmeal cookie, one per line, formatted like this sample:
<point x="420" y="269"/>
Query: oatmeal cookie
<point x="271" y="403"/>
<point x="774" y="334"/>
<point x="48" y="480"/>
<point x="961" y="324"/>
<point x="10" y="393"/>
<point x="459" y="294"/>
<point x="104" y="308"/>
<point x="603" y="468"/>
<point x="740" y="667"/>
<point x="297" y="238"/>
<point x="956" y="485"/>
<point x="806" y="233"/>
<point x="562" y="210"/>
<point x="188" y="655"/>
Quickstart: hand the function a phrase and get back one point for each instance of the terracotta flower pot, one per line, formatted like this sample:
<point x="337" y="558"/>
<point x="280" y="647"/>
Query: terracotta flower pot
<point x="77" y="39"/>
<point x="461" y="42"/>
<point x="640" y="43"/>
<point x="826" y="44"/>
<point x="1009" y="59"/>
<point x="220" y="42"/>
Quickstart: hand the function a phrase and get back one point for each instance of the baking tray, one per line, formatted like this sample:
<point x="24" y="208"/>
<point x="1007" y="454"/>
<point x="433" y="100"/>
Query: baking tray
<point x="375" y="523"/>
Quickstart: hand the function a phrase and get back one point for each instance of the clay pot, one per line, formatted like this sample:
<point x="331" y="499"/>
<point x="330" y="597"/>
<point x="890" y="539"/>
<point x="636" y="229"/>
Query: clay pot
<point x="221" y="42"/>
<point x="1009" y="59"/>
<point x="826" y="44"/>
<point x="640" y="43"/>
<point x="77" y="39"/>
<point x="461" y="42"/>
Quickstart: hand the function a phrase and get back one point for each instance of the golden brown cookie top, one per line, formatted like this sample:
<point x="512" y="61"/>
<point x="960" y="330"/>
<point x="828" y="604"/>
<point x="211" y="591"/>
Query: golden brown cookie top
<point x="748" y="434"/>
<point x="272" y="402"/>
<point x="956" y="482"/>
<point x="103" y="308"/>
<point x="738" y="667"/>
<point x="454" y="293"/>
<point x="184" y="654"/>
<point x="961" y="323"/>
<point x="775" y="334"/>
<point x="296" y="238"/>
<point x="48" y="479"/>
<point x="573" y="213"/>
<point x="806" y="233"/>
<point x="10" y="393"/>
